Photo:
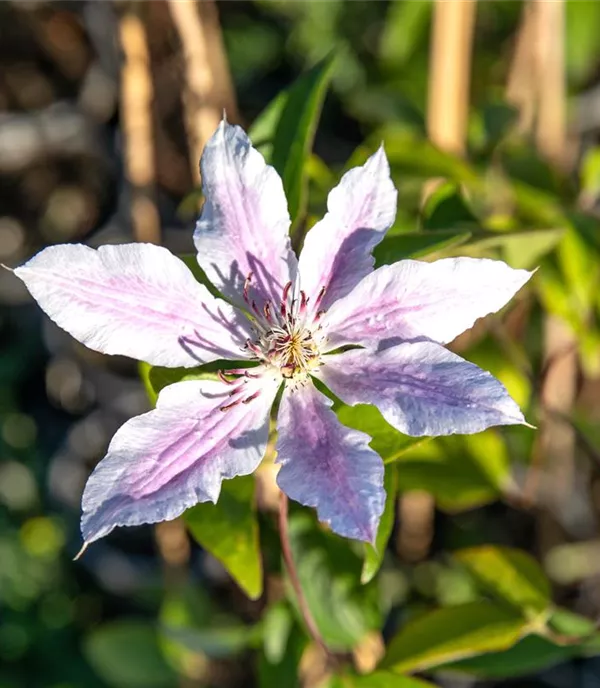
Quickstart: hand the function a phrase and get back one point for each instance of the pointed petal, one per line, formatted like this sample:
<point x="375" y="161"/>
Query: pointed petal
<point x="413" y="299"/>
<point x="136" y="300"/>
<point x="327" y="465"/>
<point x="244" y="224"/>
<point x="337" y="250"/>
<point x="165" y="461"/>
<point x="421" y="388"/>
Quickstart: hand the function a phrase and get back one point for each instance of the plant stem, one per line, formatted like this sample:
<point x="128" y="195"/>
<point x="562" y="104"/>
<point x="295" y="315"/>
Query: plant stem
<point x="288" y="558"/>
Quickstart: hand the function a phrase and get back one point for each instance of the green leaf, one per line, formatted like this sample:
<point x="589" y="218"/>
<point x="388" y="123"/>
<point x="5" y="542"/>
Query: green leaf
<point x="387" y="441"/>
<point x="329" y="572"/>
<point x="374" y="555"/>
<point x="284" y="643"/>
<point x="379" y="679"/>
<point x="417" y="245"/>
<point x="446" y="209"/>
<point x="453" y="633"/>
<point x="191" y="262"/>
<point x="217" y="642"/>
<point x="229" y="531"/>
<point x="461" y="472"/>
<point x="156" y="378"/>
<point x="509" y="574"/>
<point x="126" y="654"/>
<point x="295" y="132"/>
<point x="568" y="623"/>
<point x="531" y="654"/>
<point x="402" y="32"/>
<point x="498" y="120"/>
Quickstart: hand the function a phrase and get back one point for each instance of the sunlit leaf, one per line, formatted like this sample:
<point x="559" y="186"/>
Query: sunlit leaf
<point x="329" y="572"/>
<point x="510" y="575"/>
<point x="531" y="654"/>
<point x="229" y="531"/>
<point x="378" y="679"/>
<point x="387" y="441"/>
<point x="295" y="130"/>
<point x="417" y="245"/>
<point x="453" y="633"/>
<point x="374" y="554"/>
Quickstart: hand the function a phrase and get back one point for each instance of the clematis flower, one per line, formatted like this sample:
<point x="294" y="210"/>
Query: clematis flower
<point x="370" y="336"/>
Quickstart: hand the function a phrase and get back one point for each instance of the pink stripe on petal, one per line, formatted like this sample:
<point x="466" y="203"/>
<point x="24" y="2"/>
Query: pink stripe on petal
<point x="328" y="465"/>
<point x="413" y="299"/>
<point x="136" y="300"/>
<point x="243" y="229"/>
<point x="421" y="388"/>
<point x="163" y="462"/>
<point x="337" y="250"/>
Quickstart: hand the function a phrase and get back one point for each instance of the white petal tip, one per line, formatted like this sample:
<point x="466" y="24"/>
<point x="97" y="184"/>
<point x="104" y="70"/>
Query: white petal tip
<point x="529" y="425"/>
<point x="6" y="267"/>
<point x="81" y="551"/>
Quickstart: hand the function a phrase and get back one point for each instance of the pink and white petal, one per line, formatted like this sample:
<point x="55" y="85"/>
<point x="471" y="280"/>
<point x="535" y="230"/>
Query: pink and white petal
<point x="421" y="388"/>
<point x="413" y="299"/>
<point x="167" y="460"/>
<point x="136" y="300"/>
<point x="327" y="465"/>
<point x="243" y="228"/>
<point x="337" y="250"/>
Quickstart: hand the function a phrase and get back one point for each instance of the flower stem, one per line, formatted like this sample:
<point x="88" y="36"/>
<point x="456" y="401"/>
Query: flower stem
<point x="288" y="558"/>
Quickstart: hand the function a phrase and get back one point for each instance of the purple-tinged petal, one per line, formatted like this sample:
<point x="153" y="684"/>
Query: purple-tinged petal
<point x="327" y="465"/>
<point x="337" y="250"/>
<point x="243" y="229"/>
<point x="421" y="388"/>
<point x="165" y="461"/>
<point x="136" y="300"/>
<point x="413" y="299"/>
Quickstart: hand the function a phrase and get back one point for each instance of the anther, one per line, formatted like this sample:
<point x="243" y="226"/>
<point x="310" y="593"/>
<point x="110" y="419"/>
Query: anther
<point x="319" y="315"/>
<point x="254" y="348"/>
<point x="268" y="314"/>
<point x="247" y="400"/>
<point x="303" y="302"/>
<point x="284" y="297"/>
<point x="226" y="407"/>
<point x="222" y="377"/>
<point x="247" y="287"/>
<point x="320" y="295"/>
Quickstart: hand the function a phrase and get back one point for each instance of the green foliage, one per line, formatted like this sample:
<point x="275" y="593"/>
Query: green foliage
<point x="290" y="123"/>
<point x="126" y="654"/>
<point x="378" y="679"/>
<point x="510" y="575"/>
<point x="229" y="531"/>
<point x="329" y="572"/>
<point x="453" y="633"/>
<point x="374" y="554"/>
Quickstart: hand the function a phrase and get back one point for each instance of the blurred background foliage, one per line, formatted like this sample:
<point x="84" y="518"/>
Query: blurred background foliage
<point x="487" y="566"/>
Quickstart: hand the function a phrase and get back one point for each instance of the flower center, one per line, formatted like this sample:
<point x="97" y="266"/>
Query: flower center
<point x="287" y="338"/>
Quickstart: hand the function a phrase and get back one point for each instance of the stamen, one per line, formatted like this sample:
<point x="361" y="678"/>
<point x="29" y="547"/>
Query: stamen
<point x="268" y="314"/>
<point x="226" y="407"/>
<point x="242" y="371"/>
<point x="247" y="400"/>
<point x="320" y="295"/>
<point x="236" y="390"/>
<point x="284" y="297"/>
<point x="319" y="315"/>
<point x="247" y="287"/>
<point x="222" y="377"/>
<point x="303" y="302"/>
<point x="254" y="348"/>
